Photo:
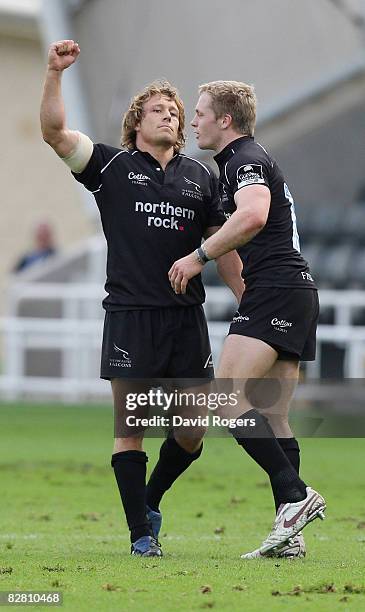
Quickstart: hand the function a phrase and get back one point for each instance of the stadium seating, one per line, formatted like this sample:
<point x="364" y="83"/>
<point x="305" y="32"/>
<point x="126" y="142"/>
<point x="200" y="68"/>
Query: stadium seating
<point x="354" y="224"/>
<point x="323" y="224"/>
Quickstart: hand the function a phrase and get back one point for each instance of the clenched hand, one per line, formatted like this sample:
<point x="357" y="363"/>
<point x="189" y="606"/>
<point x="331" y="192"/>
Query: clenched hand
<point x="62" y="54"/>
<point x="182" y="271"/>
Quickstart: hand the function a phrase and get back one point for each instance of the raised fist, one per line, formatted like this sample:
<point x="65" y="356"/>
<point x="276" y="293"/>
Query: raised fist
<point x="62" y="54"/>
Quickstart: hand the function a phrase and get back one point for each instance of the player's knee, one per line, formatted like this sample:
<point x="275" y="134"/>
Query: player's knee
<point x="191" y="445"/>
<point x="127" y="444"/>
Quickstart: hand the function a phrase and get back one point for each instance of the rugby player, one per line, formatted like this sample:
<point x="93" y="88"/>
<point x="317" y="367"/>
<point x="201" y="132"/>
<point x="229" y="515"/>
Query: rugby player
<point x="156" y="205"/>
<point x="275" y="326"/>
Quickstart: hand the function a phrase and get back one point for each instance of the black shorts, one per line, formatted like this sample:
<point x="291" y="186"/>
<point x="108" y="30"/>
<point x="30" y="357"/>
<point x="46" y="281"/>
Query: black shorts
<point x="286" y="319"/>
<point x="156" y="344"/>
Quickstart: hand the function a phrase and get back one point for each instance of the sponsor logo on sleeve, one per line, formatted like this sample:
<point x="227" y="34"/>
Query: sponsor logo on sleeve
<point x="249" y="174"/>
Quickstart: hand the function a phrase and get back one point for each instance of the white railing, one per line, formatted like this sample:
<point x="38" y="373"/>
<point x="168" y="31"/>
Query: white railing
<point x="77" y="335"/>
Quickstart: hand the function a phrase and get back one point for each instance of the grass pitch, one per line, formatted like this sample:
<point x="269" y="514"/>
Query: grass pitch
<point x="62" y="527"/>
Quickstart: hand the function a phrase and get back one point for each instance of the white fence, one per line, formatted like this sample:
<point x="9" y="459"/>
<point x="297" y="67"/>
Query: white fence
<point x="75" y="336"/>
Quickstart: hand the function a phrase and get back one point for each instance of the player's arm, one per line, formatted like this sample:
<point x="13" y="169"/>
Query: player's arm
<point x="253" y="205"/>
<point x="249" y="218"/>
<point x="229" y="268"/>
<point x="73" y="147"/>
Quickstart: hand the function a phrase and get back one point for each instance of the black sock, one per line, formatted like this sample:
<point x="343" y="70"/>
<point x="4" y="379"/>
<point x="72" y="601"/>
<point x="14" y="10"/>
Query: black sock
<point x="260" y="443"/>
<point x="130" y="473"/>
<point x="291" y="448"/>
<point x="173" y="461"/>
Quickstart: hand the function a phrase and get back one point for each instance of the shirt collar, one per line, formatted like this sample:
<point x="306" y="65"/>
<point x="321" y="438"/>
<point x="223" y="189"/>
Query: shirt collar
<point x="230" y="149"/>
<point x="150" y="157"/>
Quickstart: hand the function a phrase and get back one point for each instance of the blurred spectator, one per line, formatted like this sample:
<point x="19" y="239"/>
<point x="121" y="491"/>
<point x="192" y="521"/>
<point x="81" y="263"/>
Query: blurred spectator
<point x="44" y="246"/>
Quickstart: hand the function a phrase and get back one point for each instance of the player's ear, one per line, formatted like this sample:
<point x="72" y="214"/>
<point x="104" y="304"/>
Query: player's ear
<point x="226" y="121"/>
<point x="138" y="118"/>
<point x="137" y="127"/>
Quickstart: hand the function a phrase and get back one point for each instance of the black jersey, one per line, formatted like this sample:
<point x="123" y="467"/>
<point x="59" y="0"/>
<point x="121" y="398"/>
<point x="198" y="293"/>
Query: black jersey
<point x="272" y="258"/>
<point x="150" y="218"/>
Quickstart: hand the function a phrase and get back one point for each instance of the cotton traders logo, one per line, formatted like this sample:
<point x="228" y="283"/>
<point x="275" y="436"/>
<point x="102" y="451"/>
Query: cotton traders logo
<point x="124" y="361"/>
<point x="281" y="325"/>
<point x="138" y="179"/>
<point x="194" y="191"/>
<point x="250" y="174"/>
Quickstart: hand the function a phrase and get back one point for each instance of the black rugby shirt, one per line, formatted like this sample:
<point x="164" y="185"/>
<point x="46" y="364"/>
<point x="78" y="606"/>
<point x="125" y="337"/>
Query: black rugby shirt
<point x="150" y="218"/>
<point x="272" y="258"/>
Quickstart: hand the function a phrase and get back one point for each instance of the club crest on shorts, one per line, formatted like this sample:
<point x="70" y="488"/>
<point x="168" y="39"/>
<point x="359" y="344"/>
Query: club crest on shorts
<point x="249" y="174"/>
<point x="123" y="361"/>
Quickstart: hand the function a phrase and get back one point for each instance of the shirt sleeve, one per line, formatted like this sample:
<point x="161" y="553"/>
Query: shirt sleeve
<point x="91" y="176"/>
<point x="248" y="169"/>
<point x="215" y="209"/>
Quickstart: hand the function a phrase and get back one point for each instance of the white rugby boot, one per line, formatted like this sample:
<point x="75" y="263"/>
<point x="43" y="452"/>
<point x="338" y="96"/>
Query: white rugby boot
<point x="291" y="518"/>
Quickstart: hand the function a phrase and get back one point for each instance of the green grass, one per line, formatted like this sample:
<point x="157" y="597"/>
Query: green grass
<point x="62" y="526"/>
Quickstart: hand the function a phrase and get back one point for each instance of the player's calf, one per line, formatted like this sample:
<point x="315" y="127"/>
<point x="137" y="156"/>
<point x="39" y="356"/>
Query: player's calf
<point x="173" y="461"/>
